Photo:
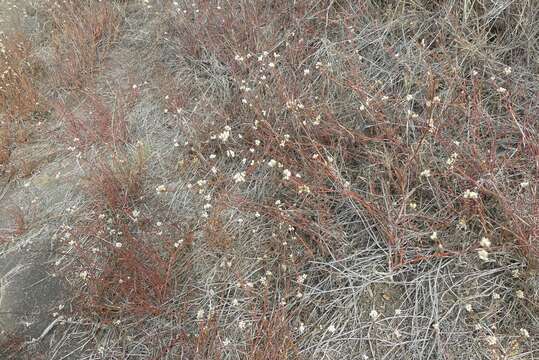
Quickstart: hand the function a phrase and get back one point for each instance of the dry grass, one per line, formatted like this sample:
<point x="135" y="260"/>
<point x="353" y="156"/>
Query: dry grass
<point x="19" y="96"/>
<point x="81" y="35"/>
<point x="298" y="180"/>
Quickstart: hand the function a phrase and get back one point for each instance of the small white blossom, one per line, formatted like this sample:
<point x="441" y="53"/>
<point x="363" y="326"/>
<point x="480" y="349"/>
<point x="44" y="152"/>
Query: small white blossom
<point x="225" y="134"/>
<point x="520" y="294"/>
<point x="491" y="340"/>
<point x="118" y="245"/>
<point x="286" y="174"/>
<point x="468" y="194"/>
<point x="483" y="254"/>
<point x="200" y="314"/>
<point x="374" y="314"/>
<point x="425" y="173"/>
<point x="524" y="332"/>
<point x="239" y="177"/>
<point x="331" y="328"/>
<point x="485" y="242"/>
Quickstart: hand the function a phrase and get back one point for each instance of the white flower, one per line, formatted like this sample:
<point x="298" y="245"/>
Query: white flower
<point x="434" y="235"/>
<point x="230" y="153"/>
<point x="239" y="177"/>
<point x="83" y="274"/>
<point x="485" y="242"/>
<point x="483" y="254"/>
<point x="452" y="159"/>
<point x="286" y="174"/>
<point x="271" y="65"/>
<point x="425" y="173"/>
<point x="501" y="90"/>
<point x="507" y="70"/>
<point x="200" y="314"/>
<point x="398" y="311"/>
<point x="409" y="97"/>
<point x="468" y="307"/>
<point x="520" y="294"/>
<point x="331" y="328"/>
<point x="161" y="189"/>
<point x="226" y="342"/>
<point x="470" y="194"/>
<point x="524" y="332"/>
<point x="136" y="213"/>
<point x="524" y="184"/>
<point x="224" y="135"/>
<point x="301" y="328"/>
<point x="491" y="340"/>
<point x="495" y="296"/>
<point x="374" y="314"/>
<point x="241" y="324"/>
<point x="118" y="245"/>
<point x="306" y="72"/>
